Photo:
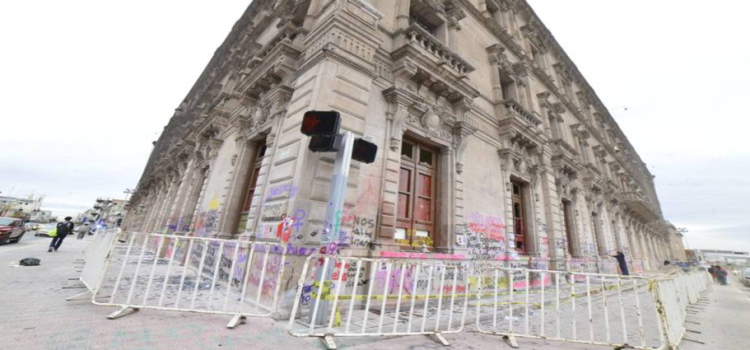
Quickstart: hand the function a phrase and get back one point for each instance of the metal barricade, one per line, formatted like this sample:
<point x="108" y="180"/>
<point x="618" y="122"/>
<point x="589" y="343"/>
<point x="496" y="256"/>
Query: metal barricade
<point x="95" y="254"/>
<point x="193" y="274"/>
<point x="587" y="308"/>
<point x="365" y="297"/>
<point x="674" y="294"/>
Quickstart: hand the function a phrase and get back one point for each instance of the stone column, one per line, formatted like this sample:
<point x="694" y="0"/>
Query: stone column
<point x="402" y="15"/>
<point x="175" y="211"/>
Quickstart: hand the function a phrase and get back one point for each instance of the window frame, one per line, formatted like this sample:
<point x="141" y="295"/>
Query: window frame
<point x="259" y="151"/>
<point x="520" y="222"/>
<point x="410" y="222"/>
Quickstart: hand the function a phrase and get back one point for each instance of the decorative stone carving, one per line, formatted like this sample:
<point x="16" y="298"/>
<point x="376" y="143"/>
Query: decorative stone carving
<point x="461" y="133"/>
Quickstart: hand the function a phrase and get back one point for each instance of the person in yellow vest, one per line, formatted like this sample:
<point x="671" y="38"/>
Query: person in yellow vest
<point x="63" y="229"/>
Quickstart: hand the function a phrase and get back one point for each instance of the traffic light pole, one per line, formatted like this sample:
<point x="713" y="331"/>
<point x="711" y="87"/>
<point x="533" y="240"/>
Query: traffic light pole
<point x="337" y="193"/>
<point x="334" y="214"/>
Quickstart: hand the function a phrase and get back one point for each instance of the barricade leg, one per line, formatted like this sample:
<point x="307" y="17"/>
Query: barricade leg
<point x="236" y="321"/>
<point x="122" y="312"/>
<point x="78" y="296"/>
<point x="441" y="339"/>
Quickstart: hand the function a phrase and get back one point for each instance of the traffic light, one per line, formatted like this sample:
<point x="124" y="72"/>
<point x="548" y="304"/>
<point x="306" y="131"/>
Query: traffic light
<point x="321" y="123"/>
<point x="364" y="151"/>
<point x="323" y="143"/>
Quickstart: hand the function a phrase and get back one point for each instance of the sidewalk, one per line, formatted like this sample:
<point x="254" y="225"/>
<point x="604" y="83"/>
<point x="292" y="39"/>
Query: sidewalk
<point x="35" y="315"/>
<point x="724" y="322"/>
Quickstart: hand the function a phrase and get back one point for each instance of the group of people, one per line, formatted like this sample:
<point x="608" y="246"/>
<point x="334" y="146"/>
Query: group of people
<point x="719" y="274"/>
<point x="65" y="228"/>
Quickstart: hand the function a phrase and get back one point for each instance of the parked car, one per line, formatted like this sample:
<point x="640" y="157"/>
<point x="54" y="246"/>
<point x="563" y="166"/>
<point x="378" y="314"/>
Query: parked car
<point x="11" y="230"/>
<point x="745" y="277"/>
<point x="44" y="230"/>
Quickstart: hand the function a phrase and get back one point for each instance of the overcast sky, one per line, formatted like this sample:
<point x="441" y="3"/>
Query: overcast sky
<point x="86" y="86"/>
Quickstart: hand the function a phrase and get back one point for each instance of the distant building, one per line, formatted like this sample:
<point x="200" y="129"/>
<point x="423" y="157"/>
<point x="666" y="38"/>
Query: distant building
<point x="20" y="207"/>
<point x="106" y="213"/>
<point x="42" y="216"/>
<point x="721" y="257"/>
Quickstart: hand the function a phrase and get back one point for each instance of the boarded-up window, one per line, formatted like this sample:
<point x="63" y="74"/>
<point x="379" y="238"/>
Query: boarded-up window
<point x="416" y="194"/>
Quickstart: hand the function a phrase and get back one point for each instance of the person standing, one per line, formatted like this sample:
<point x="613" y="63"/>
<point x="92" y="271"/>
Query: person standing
<point x="63" y="229"/>
<point x="83" y="230"/>
<point x="622" y="262"/>
<point x="722" y="274"/>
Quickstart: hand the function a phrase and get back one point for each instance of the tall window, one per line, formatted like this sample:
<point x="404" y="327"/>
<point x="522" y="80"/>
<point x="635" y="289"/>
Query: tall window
<point x="508" y="87"/>
<point x="519" y="217"/>
<point x="252" y="183"/>
<point x="416" y="194"/>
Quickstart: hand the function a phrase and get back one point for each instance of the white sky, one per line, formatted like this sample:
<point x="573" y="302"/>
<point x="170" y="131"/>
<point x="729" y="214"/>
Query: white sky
<point x="86" y="86"/>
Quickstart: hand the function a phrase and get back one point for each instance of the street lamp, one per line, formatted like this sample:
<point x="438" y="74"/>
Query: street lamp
<point x="683" y="231"/>
<point x="128" y="192"/>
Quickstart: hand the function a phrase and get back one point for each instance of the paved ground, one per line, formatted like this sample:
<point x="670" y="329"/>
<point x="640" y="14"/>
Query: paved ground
<point x="723" y="321"/>
<point x="35" y="315"/>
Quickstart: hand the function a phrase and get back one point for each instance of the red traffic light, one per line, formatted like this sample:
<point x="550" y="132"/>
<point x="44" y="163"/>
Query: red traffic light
<point x="321" y="123"/>
<point x="364" y="151"/>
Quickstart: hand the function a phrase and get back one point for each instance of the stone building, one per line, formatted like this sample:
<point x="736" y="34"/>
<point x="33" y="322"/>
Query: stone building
<point x="492" y="145"/>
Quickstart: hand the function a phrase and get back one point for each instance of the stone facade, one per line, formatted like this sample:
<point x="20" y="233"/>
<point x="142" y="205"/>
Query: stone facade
<point x="492" y="145"/>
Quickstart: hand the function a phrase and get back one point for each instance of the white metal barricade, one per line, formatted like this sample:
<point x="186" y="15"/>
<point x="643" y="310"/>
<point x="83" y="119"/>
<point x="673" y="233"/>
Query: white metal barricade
<point x="360" y="297"/>
<point x="193" y="274"/>
<point x="674" y="294"/>
<point x="94" y="256"/>
<point x="588" y="308"/>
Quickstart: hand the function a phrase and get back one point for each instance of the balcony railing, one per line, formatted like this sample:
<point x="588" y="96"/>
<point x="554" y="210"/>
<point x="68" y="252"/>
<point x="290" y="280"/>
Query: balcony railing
<point x="515" y="110"/>
<point x="418" y="37"/>
<point x="636" y="202"/>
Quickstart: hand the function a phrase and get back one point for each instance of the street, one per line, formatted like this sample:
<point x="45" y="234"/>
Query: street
<point x="35" y="315"/>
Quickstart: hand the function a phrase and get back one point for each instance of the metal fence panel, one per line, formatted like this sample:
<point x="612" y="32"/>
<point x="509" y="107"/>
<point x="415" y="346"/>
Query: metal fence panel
<point x="587" y="308"/>
<point x="95" y="254"/>
<point x="355" y="297"/>
<point x="208" y="275"/>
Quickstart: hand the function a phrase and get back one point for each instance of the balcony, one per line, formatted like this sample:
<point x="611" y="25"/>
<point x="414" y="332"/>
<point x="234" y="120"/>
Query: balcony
<point x="564" y="155"/>
<point x="514" y="110"/>
<point x="637" y="203"/>
<point x="422" y="40"/>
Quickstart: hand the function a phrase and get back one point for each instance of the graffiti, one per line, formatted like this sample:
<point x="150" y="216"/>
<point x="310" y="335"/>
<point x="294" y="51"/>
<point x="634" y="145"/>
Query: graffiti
<point x="338" y="272"/>
<point x="344" y="238"/>
<point x="416" y="241"/>
<point x="273" y="212"/>
<point x="299" y="251"/>
<point x="298" y="217"/>
<point x="541" y="226"/>
<point x="351" y="274"/>
<point x="412" y="255"/>
<point x="544" y="245"/>
<point x="306" y="295"/>
<point x="269" y="273"/>
<point x="560" y="244"/>
<point x="362" y="231"/>
<point x="284" y="229"/>
<point x="492" y="227"/>
<point x="281" y="190"/>
<point x="481" y="248"/>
